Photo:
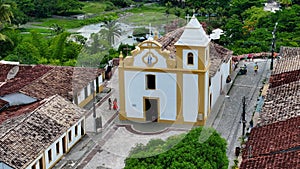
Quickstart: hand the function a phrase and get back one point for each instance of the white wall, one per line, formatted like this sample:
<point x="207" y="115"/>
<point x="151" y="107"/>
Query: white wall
<point x="95" y="85"/>
<point x="135" y="90"/>
<point x="80" y="96"/>
<point x="55" y="156"/>
<point x="216" y="81"/>
<point x="190" y="97"/>
<point x="100" y="79"/>
<point x="36" y="162"/>
<point x="206" y="93"/>
<point x="138" y="59"/>
<point x="74" y="138"/>
<point x="184" y="59"/>
<point x="206" y="55"/>
<point x="89" y="88"/>
<point x="4" y="166"/>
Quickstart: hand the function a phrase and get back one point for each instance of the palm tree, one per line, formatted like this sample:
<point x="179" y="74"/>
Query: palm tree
<point x="110" y="31"/>
<point x="5" y="15"/>
<point x="286" y="2"/>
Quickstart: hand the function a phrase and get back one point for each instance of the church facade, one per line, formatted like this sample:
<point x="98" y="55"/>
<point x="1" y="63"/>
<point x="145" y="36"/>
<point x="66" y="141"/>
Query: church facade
<point x="167" y="80"/>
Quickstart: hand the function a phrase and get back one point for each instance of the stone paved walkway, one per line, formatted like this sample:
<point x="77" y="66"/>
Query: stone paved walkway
<point x="226" y="117"/>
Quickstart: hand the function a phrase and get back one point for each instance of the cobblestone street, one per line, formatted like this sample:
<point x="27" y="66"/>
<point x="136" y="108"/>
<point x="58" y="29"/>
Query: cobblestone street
<point x="226" y="116"/>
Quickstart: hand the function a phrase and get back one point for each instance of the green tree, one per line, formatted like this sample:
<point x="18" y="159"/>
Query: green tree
<point x="26" y="53"/>
<point x="233" y="29"/>
<point x="58" y="45"/>
<point x="97" y="44"/>
<point x="5" y="17"/>
<point x="56" y="29"/>
<point x="110" y="31"/>
<point x="286" y="3"/>
<point x="200" y="148"/>
<point x="64" y="6"/>
<point x="122" y="3"/>
<point x="7" y="46"/>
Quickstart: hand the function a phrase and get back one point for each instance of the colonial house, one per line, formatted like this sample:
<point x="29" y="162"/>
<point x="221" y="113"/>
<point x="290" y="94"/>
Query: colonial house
<point x="174" y="79"/>
<point x="39" y="121"/>
<point x="77" y="84"/>
<point x="41" y="135"/>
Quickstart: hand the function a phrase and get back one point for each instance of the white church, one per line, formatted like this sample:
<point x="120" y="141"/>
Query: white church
<point x="173" y="79"/>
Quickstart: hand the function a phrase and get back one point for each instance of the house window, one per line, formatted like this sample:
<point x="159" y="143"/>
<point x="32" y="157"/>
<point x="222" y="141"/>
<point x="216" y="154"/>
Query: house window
<point x="190" y="59"/>
<point x="76" y="131"/>
<point x="57" y="148"/>
<point x="70" y="135"/>
<point x="50" y="155"/>
<point x="150" y="81"/>
<point x="33" y="167"/>
<point x="41" y="163"/>
<point x="85" y="92"/>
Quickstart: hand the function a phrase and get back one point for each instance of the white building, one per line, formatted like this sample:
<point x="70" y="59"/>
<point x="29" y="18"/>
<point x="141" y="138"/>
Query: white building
<point x="168" y="79"/>
<point x="41" y="135"/>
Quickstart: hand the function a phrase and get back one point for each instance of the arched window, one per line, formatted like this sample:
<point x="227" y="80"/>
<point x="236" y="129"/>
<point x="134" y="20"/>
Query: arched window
<point x="190" y="59"/>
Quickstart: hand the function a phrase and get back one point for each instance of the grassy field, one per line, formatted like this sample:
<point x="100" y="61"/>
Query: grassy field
<point x="74" y="23"/>
<point x="38" y="30"/>
<point x="150" y="8"/>
<point x="93" y="7"/>
<point x="153" y="14"/>
<point x="144" y="18"/>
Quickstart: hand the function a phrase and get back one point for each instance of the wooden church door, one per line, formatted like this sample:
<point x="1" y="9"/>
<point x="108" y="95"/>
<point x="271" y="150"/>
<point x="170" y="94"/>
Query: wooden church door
<point x="151" y="109"/>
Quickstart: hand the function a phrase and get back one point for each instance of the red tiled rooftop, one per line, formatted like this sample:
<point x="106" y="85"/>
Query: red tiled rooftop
<point x="287" y="64"/>
<point x="23" y="143"/>
<point x="25" y="75"/>
<point x="14" y="111"/>
<point x="5" y="68"/>
<point x="170" y="39"/>
<point x="61" y="80"/>
<point x="281" y="103"/>
<point x="287" y="160"/>
<point x="2" y="103"/>
<point x="284" y="78"/>
<point x="273" y="138"/>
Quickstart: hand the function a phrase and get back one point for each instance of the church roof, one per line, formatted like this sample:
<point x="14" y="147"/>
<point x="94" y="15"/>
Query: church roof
<point x="193" y="34"/>
<point x="218" y="54"/>
<point x="170" y="39"/>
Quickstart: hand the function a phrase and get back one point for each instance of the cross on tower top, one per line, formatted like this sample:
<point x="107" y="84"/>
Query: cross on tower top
<point x="187" y="18"/>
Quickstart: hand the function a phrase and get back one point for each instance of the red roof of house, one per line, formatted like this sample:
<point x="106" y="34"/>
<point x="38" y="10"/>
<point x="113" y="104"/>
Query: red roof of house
<point x="273" y="146"/>
<point x="287" y="69"/>
<point x="281" y="103"/>
<point x="14" y="111"/>
<point x="273" y="138"/>
<point x="286" y="160"/>
<point x="24" y="76"/>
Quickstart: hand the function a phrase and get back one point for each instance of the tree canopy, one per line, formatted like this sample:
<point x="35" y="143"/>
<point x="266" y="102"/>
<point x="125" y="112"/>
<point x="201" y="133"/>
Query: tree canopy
<point x="200" y="148"/>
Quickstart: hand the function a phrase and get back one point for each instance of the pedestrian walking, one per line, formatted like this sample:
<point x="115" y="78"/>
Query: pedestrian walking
<point x="109" y="103"/>
<point x="115" y="104"/>
<point x="255" y="68"/>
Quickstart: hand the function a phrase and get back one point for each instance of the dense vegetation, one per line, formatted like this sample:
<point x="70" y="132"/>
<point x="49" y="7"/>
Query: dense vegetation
<point x="248" y="28"/>
<point x="200" y="148"/>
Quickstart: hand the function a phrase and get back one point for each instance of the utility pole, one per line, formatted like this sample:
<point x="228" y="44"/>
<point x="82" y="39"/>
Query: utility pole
<point x="273" y="46"/>
<point x="244" y="114"/>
